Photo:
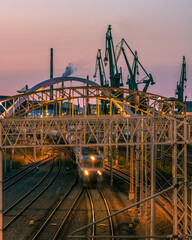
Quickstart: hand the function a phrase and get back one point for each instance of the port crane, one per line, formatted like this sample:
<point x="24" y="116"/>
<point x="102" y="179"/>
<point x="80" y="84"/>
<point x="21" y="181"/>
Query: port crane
<point x="181" y="85"/>
<point x="134" y="70"/>
<point x="99" y="65"/>
<point x="115" y="74"/>
<point x="103" y="81"/>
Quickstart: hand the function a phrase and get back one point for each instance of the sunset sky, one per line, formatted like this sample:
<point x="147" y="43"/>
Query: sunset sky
<point x="160" y="30"/>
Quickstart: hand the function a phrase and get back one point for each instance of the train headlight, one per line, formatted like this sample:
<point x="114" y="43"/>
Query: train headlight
<point x="86" y="172"/>
<point x="99" y="172"/>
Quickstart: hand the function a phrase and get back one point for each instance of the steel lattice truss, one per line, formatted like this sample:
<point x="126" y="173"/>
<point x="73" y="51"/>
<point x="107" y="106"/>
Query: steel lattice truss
<point x="141" y="132"/>
<point x="94" y="131"/>
<point x="123" y="99"/>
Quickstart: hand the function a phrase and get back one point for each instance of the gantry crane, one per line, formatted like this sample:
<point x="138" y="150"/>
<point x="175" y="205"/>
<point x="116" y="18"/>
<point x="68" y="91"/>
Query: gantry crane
<point x="115" y="75"/>
<point x="181" y="85"/>
<point x="99" y="65"/>
<point x="134" y="70"/>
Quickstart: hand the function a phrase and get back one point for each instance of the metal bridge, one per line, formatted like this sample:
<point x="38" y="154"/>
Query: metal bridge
<point x="142" y="122"/>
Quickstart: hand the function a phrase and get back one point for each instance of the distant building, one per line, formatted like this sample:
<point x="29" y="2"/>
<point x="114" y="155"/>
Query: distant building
<point x="7" y="105"/>
<point x="189" y="107"/>
<point x="2" y="97"/>
<point x="24" y="89"/>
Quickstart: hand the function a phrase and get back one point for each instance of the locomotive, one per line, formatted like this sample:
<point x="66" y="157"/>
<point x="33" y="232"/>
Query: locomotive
<point x="90" y="168"/>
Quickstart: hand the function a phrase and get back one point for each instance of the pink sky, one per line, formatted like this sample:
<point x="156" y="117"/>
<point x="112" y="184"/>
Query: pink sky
<point x="159" y="30"/>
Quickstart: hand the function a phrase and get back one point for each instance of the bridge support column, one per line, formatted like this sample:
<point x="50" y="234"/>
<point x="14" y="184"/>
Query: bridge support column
<point x="191" y="208"/>
<point x="137" y="184"/>
<point x="146" y="192"/>
<point x="5" y="160"/>
<point x="116" y="151"/>
<point x="127" y="156"/>
<point x="111" y="158"/>
<point x="1" y="187"/>
<point x="111" y="165"/>
<point x="42" y="140"/>
<point x="179" y="173"/>
<point x="5" y="156"/>
<point x="131" y="191"/>
<point x="35" y="154"/>
<point x="10" y="159"/>
<point x="153" y="178"/>
<point x="106" y="148"/>
<point x="141" y="169"/>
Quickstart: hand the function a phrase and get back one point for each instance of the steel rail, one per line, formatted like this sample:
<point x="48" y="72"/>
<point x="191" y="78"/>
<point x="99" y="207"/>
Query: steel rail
<point x="158" y="173"/>
<point x="126" y="208"/>
<point x="67" y="215"/>
<point x="23" y="169"/>
<point x="38" y="233"/>
<point x="157" y="201"/>
<point x="24" y="196"/>
<point x="165" y="196"/>
<point x="118" y="174"/>
<point x="168" y="237"/>
<point x="34" y="199"/>
<point x="108" y="212"/>
<point x="127" y="174"/>
<point x="22" y="176"/>
<point x="93" y="213"/>
<point x="18" y="172"/>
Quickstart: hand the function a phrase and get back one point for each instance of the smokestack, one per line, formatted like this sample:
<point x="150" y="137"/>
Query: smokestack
<point x="51" y="63"/>
<point x="51" y="71"/>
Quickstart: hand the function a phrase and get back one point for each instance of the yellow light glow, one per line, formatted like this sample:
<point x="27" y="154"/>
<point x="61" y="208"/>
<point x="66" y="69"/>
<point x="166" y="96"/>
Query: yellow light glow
<point x="93" y="158"/>
<point x="86" y="172"/>
<point x="99" y="172"/>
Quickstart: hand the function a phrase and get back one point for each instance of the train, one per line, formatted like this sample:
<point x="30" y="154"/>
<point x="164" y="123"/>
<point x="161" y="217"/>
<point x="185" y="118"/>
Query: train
<point x="90" y="167"/>
<point x="90" y="164"/>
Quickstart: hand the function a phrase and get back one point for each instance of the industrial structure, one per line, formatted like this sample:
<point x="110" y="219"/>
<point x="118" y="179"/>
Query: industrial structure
<point x="112" y="56"/>
<point x="141" y="122"/>
<point x="181" y="85"/>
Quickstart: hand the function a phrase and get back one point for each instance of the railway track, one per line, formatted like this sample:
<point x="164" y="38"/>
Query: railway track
<point x="8" y="182"/>
<point x="12" y="213"/>
<point x="56" y="222"/>
<point x="26" y="184"/>
<point x="96" y="197"/>
<point x="125" y="177"/>
<point x="164" y="201"/>
<point x="52" y="219"/>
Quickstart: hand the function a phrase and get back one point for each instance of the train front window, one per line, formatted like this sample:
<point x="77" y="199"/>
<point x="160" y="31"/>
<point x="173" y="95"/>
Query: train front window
<point x="87" y="164"/>
<point x="98" y="163"/>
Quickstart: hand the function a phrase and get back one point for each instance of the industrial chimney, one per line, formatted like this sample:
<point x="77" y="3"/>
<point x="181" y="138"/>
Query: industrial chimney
<point x="51" y="71"/>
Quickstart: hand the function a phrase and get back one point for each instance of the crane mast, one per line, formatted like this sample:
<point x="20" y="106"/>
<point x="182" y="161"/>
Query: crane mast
<point x="99" y="65"/>
<point x="130" y="81"/>
<point x="181" y="85"/>
<point x="134" y="71"/>
<point x="110" y="57"/>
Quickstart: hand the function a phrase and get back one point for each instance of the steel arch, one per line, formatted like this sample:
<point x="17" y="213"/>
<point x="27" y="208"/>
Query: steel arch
<point x="126" y="100"/>
<point x="51" y="81"/>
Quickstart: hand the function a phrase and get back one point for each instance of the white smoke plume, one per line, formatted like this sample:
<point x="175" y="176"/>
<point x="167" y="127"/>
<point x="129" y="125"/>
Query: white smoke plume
<point x="69" y="70"/>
